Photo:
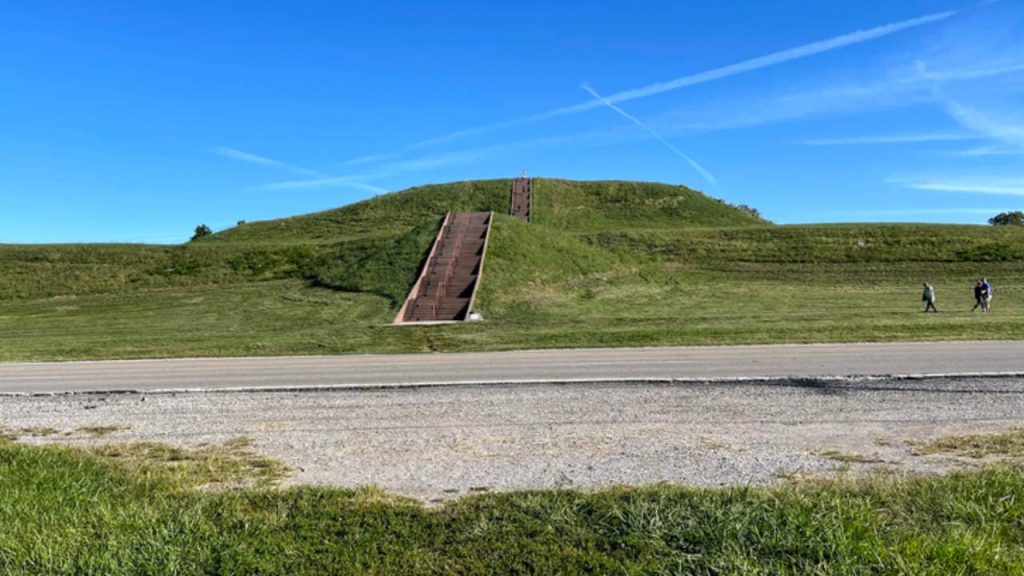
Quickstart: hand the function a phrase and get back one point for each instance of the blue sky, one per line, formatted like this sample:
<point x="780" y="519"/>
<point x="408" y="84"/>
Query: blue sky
<point x="135" y="121"/>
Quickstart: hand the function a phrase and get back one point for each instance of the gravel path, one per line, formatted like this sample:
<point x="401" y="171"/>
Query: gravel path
<point x="437" y="443"/>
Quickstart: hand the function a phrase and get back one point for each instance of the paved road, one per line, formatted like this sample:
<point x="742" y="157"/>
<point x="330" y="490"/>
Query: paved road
<point x="600" y="365"/>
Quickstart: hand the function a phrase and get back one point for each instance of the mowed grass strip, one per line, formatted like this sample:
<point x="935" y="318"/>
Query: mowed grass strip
<point x="545" y="287"/>
<point x="65" y="511"/>
<point x="255" y="319"/>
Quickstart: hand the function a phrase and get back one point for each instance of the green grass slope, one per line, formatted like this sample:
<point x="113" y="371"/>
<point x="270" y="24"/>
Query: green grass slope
<point x="384" y="216"/>
<point x="603" y="264"/>
<point x="617" y="205"/>
<point x="834" y="243"/>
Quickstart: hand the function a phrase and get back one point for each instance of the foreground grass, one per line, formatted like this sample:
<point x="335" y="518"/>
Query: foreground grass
<point x="64" y="511"/>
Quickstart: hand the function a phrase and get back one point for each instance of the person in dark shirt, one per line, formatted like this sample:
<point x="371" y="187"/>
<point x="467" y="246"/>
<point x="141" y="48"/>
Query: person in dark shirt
<point x="986" y="295"/>
<point x="978" y="295"/>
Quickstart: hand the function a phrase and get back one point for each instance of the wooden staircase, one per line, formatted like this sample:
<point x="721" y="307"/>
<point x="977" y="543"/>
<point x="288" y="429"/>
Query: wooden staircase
<point x="522" y="198"/>
<point x="446" y="288"/>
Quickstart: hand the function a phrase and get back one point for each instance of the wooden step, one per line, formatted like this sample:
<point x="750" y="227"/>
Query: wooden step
<point x="521" y="198"/>
<point x="447" y="285"/>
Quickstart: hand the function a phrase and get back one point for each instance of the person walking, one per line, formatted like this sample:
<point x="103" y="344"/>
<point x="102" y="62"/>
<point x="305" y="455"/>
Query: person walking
<point x="986" y="295"/>
<point x="929" y="298"/>
<point x="978" y="296"/>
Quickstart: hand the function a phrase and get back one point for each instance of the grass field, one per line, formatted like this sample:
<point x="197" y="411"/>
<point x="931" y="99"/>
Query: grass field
<point x="148" y="510"/>
<point x="604" y="264"/>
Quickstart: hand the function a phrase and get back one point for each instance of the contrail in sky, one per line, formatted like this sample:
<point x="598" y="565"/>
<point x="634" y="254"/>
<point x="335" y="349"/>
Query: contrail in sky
<point x="319" y="179"/>
<point x="750" y="65"/>
<point x="250" y="158"/>
<point x="602" y="100"/>
<point x="772" y="59"/>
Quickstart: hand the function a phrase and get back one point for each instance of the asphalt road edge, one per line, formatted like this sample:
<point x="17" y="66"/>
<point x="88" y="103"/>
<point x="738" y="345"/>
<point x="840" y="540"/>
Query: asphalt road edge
<point x="794" y="379"/>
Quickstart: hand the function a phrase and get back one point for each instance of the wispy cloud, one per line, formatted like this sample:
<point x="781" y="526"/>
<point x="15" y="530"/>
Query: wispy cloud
<point x="368" y="159"/>
<point x="758" y="63"/>
<point x="430" y="162"/>
<point x="250" y="158"/>
<point x="654" y="134"/>
<point x="316" y="179"/>
<point x="776" y="58"/>
<point x="978" y="183"/>
<point x="359" y="181"/>
<point x="236" y="154"/>
<point x="356" y="182"/>
<point x="1007" y="188"/>
<point x="368" y="187"/>
<point x="435" y="161"/>
<point x="1002" y="129"/>
<point x="973" y="73"/>
<point x="901" y="212"/>
<point x="890" y="139"/>
<point x="901" y="87"/>
<point x="986" y="151"/>
<point x="420" y="164"/>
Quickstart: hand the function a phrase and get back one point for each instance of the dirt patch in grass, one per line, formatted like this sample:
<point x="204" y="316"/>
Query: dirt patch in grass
<point x="39" y="431"/>
<point x="12" y="434"/>
<point x="847" y="458"/>
<point x="1007" y="446"/>
<point x="100" y="431"/>
<point x="233" y="464"/>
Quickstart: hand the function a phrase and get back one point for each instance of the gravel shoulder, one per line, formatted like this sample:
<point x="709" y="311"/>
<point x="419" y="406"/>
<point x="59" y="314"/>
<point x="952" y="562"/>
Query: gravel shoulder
<point x="437" y="443"/>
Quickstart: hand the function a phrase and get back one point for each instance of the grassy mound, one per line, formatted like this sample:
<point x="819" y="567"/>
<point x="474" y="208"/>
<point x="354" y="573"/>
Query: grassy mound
<point x="603" y="264"/>
<point x="566" y="204"/>
<point x="67" y="512"/>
